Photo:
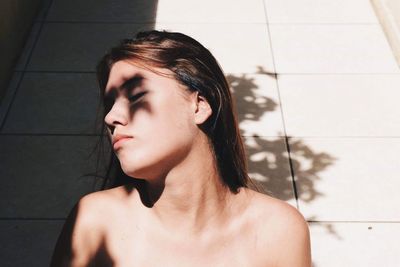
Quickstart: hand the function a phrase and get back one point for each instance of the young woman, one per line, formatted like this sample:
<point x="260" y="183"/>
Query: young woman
<point x="171" y="122"/>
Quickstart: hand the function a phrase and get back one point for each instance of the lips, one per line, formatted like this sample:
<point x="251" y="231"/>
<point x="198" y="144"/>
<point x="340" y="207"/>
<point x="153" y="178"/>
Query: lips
<point x="118" y="140"/>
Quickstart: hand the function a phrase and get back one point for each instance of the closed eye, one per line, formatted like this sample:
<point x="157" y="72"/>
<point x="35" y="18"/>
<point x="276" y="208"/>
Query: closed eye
<point x="134" y="98"/>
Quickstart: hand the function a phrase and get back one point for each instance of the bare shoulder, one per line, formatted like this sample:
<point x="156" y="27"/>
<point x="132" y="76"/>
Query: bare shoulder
<point x="102" y="203"/>
<point x="283" y="229"/>
<point x="278" y="211"/>
<point x="94" y="202"/>
<point x="84" y="230"/>
<point x="93" y="207"/>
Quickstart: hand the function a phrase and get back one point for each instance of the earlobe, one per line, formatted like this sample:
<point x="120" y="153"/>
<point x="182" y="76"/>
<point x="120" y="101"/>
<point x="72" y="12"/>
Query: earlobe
<point x="203" y="109"/>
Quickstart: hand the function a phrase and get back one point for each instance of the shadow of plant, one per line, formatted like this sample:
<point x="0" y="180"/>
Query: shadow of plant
<point x="274" y="160"/>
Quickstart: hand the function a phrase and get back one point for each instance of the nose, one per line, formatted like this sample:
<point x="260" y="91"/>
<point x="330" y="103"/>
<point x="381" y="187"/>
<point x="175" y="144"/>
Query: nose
<point x="116" y="116"/>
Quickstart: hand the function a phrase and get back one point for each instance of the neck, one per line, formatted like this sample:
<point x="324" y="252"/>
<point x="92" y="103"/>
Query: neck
<point x="192" y="197"/>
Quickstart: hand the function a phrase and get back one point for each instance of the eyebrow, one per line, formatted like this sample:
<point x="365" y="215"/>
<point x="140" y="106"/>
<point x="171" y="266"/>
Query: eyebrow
<point x="130" y="83"/>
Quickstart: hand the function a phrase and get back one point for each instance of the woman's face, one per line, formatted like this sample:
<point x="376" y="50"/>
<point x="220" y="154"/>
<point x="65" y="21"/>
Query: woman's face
<point x="157" y="115"/>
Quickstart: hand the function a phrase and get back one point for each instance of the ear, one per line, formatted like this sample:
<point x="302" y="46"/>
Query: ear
<point x="202" y="109"/>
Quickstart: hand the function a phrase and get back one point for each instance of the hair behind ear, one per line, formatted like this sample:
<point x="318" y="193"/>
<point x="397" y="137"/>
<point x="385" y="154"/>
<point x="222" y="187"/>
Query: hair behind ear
<point x="196" y="68"/>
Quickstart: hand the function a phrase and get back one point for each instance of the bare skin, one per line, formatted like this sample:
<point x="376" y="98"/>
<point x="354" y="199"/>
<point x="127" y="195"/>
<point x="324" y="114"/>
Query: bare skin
<point x="191" y="218"/>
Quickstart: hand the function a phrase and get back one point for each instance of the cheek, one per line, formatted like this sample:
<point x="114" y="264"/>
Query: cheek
<point x="169" y="118"/>
<point x="160" y="152"/>
<point x="162" y="140"/>
<point x="172" y="131"/>
<point x="178" y="123"/>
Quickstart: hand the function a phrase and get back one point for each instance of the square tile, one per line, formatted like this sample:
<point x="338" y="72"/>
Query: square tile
<point x="44" y="176"/>
<point x="331" y="49"/>
<point x="28" y="243"/>
<point x="355" y="244"/>
<point x="239" y="48"/>
<point x="340" y="105"/>
<point x="78" y="47"/>
<point x="321" y="11"/>
<point x="257" y="103"/>
<point x="347" y="179"/>
<point x="209" y="11"/>
<point x="268" y="164"/>
<point x="62" y="103"/>
<point x="137" y="11"/>
<point x="8" y="97"/>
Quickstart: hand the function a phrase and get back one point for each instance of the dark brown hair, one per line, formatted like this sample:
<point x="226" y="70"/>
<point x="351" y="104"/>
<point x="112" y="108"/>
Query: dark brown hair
<point x="195" y="67"/>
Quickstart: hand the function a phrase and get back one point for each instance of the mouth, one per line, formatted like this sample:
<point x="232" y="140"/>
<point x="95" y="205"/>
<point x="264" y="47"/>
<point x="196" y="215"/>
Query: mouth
<point x="119" y="141"/>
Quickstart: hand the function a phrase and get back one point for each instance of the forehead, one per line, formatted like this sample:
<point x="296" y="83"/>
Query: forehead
<point x="124" y="70"/>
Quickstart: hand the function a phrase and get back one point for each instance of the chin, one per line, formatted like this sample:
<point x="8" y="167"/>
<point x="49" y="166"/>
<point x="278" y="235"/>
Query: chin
<point x="134" y="171"/>
<point x="149" y="164"/>
<point x="139" y="169"/>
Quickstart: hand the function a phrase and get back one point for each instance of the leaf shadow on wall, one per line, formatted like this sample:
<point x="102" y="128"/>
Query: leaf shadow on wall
<point x="273" y="158"/>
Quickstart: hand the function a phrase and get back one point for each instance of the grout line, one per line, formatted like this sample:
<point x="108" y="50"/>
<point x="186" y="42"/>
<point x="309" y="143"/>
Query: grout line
<point x="30" y="219"/>
<point x="323" y="23"/>
<point x="146" y="22"/>
<point x="56" y="71"/>
<point x="274" y="65"/>
<point x="24" y="67"/>
<point x="296" y="196"/>
<point x="263" y="136"/>
<point x="281" y="110"/>
<point x="208" y="23"/>
<point x="96" y="22"/>
<point x="46" y="134"/>
<point x="339" y="73"/>
<point x="344" y="137"/>
<point x="46" y="12"/>
<point x="321" y="137"/>
<point x="10" y="102"/>
<point x="311" y="221"/>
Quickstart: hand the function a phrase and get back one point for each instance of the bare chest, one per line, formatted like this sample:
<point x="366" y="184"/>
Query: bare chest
<point x="139" y="248"/>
